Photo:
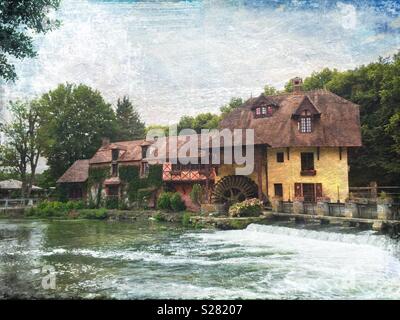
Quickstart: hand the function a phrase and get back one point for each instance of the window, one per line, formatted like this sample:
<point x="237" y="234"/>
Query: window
<point x="115" y="154"/>
<point x="278" y="190"/>
<point x="112" y="190"/>
<point x="114" y="169"/>
<point x="144" y="169"/>
<point x="264" y="111"/>
<point x="280" y="156"/>
<point x="307" y="161"/>
<point x="270" y="110"/>
<point x="144" y="151"/>
<point x="305" y="124"/>
<point x="258" y="111"/>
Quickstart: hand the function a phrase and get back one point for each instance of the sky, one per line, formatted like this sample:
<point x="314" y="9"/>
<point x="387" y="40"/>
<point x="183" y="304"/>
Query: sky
<point x="185" y="57"/>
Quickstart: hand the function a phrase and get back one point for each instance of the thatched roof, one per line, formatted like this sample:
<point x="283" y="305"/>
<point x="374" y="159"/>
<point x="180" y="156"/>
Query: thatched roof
<point x="12" y="184"/>
<point x="78" y="172"/>
<point x="337" y="124"/>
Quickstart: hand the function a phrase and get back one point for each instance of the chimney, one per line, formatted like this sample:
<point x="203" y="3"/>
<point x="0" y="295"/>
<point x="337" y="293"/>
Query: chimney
<point x="105" y="142"/>
<point x="297" y="85"/>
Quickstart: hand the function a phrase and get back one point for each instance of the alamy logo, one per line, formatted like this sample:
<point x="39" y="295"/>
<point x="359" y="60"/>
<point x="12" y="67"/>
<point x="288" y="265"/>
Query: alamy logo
<point x="213" y="147"/>
<point x="49" y="278"/>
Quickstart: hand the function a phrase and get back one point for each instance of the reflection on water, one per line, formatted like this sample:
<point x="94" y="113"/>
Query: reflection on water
<point x="152" y="260"/>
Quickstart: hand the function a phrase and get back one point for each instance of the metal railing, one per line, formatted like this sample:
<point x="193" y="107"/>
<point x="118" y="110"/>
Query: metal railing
<point x="367" y="211"/>
<point x="336" y="209"/>
<point x="287" y="207"/>
<point x="18" y="203"/>
<point x="309" y="208"/>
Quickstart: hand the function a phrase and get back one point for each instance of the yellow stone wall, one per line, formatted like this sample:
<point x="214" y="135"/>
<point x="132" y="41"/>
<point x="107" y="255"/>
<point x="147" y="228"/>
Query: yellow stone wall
<point x="332" y="172"/>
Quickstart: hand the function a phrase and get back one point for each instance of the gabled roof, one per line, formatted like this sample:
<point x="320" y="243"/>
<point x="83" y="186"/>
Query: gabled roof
<point x="338" y="124"/>
<point x="262" y="101"/>
<point x="306" y="104"/>
<point x="78" y="172"/>
<point x="129" y="151"/>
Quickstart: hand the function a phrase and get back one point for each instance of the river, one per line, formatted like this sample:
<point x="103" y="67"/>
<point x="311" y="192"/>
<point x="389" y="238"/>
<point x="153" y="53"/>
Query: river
<point x="120" y="260"/>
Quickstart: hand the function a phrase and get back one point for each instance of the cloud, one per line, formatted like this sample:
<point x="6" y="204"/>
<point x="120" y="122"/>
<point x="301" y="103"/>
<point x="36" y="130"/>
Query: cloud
<point x="176" y="58"/>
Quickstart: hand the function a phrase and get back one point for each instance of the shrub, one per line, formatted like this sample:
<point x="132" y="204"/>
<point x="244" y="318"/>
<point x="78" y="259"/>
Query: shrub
<point x="93" y="214"/>
<point x="159" y="217"/>
<point x="186" y="219"/>
<point x="246" y="208"/>
<point x="177" y="203"/>
<point x="164" y="201"/>
<point x="112" y="203"/>
<point x="196" y="194"/>
<point x="75" y="205"/>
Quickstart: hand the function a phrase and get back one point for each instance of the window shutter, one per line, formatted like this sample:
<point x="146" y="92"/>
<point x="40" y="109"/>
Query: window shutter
<point x="297" y="190"/>
<point x="318" y="190"/>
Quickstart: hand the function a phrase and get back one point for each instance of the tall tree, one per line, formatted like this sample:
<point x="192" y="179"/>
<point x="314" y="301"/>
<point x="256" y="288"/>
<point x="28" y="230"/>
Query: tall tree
<point x="233" y="104"/>
<point x="130" y="126"/>
<point x="18" y="20"/>
<point x="23" y="144"/>
<point x="76" y="118"/>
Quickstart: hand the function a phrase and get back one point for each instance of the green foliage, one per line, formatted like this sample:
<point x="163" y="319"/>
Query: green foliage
<point x="196" y="195"/>
<point x="70" y="209"/>
<point x="270" y="91"/>
<point x="233" y="104"/>
<point x="170" y="201"/>
<point x="201" y="121"/>
<point x="75" y="119"/>
<point x="97" y="175"/>
<point x="140" y="189"/>
<point x="159" y="217"/>
<point x="23" y="142"/>
<point x="246" y="208"/>
<point x="177" y="203"/>
<point x="19" y="21"/>
<point x="163" y="130"/>
<point x="164" y="201"/>
<point x="98" y="214"/>
<point x="112" y="203"/>
<point x="186" y="219"/>
<point x="130" y="127"/>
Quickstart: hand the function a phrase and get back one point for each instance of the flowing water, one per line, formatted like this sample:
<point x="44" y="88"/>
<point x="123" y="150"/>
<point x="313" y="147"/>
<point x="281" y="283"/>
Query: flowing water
<point x="152" y="260"/>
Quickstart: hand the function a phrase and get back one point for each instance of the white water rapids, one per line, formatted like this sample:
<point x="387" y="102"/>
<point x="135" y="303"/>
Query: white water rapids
<point x="260" y="262"/>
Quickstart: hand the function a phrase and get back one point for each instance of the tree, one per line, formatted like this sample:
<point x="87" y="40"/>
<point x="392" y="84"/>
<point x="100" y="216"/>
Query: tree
<point x="130" y="127"/>
<point x="270" y="91"/>
<point x="76" y="118"/>
<point x="18" y="20"/>
<point x="233" y="104"/>
<point x="161" y="128"/>
<point x="317" y="80"/>
<point x="23" y="143"/>
<point x="201" y="121"/>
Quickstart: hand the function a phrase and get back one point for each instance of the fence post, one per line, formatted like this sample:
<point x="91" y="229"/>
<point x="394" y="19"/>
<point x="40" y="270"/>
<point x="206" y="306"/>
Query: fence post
<point x="384" y="208"/>
<point x="374" y="189"/>
<point x="350" y="210"/>
<point x="298" y="206"/>
<point x="323" y="208"/>
<point x="277" y="204"/>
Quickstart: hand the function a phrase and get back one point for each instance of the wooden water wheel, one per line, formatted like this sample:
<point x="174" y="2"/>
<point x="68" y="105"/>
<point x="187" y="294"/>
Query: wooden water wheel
<point x="232" y="189"/>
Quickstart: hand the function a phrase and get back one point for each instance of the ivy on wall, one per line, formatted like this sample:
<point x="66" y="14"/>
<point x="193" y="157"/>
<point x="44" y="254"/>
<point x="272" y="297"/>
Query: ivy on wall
<point x="137" y="187"/>
<point x="96" y="178"/>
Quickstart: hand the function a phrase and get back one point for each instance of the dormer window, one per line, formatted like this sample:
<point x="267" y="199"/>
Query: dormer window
<point x="305" y="122"/>
<point x="265" y="111"/>
<point x="115" y="154"/>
